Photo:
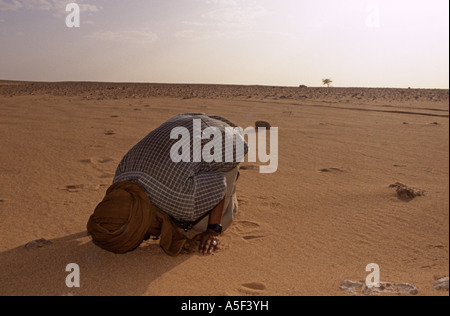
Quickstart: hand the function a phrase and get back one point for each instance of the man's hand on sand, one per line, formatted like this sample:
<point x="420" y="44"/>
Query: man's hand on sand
<point x="209" y="242"/>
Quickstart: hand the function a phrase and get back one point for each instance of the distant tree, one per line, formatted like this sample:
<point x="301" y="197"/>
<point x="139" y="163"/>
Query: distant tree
<point x="327" y="82"/>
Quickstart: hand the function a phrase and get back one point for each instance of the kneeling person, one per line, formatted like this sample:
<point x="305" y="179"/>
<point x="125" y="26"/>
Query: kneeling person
<point x="152" y="195"/>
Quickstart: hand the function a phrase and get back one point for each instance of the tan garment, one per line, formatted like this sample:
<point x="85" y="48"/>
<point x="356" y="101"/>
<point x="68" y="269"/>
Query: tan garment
<point x="126" y="217"/>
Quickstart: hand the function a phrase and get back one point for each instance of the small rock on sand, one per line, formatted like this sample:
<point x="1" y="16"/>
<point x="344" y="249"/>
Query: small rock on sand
<point x="387" y="288"/>
<point x="350" y="286"/>
<point x="406" y="193"/>
<point x="395" y="288"/>
<point x="38" y="243"/>
<point x="441" y="284"/>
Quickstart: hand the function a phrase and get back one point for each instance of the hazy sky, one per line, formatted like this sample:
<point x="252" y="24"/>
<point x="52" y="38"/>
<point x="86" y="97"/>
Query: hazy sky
<point x="358" y="43"/>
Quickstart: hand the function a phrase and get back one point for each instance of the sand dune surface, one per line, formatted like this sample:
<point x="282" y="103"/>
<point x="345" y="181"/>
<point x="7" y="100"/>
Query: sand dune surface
<point x="327" y="212"/>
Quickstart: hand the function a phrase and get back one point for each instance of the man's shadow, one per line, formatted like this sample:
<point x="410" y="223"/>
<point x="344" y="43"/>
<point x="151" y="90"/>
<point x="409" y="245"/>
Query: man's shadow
<point x="42" y="271"/>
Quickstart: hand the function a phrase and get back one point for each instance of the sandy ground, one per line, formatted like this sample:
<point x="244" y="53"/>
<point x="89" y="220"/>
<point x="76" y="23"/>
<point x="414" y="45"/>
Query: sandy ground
<point x="324" y="216"/>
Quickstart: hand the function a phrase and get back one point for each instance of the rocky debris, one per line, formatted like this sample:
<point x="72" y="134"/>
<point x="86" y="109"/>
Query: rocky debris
<point x="351" y="287"/>
<point x="39" y="243"/>
<point x="115" y="91"/>
<point x="441" y="284"/>
<point x="361" y="289"/>
<point x="406" y="193"/>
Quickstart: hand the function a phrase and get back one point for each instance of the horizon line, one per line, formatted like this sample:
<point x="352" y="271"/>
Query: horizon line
<point x="217" y="84"/>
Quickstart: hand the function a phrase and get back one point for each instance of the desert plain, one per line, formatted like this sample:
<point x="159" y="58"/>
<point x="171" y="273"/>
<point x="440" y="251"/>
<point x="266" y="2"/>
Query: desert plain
<point x="311" y="228"/>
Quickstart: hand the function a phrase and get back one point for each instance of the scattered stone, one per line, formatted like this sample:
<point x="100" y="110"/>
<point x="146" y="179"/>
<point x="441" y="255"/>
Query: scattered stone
<point x="38" y="243"/>
<point x="406" y="193"/>
<point x="441" y="284"/>
<point x="350" y="286"/>
<point x="361" y="289"/>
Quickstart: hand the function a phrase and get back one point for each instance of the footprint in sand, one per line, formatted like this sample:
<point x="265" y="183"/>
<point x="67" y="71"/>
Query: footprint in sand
<point x="106" y="176"/>
<point x="331" y="170"/>
<point x="96" y="163"/>
<point x="247" y="230"/>
<point x="96" y="160"/>
<point x="265" y="201"/>
<point x="248" y="167"/>
<point x="254" y="288"/>
<point x="97" y="146"/>
<point x="74" y="188"/>
<point x="110" y="132"/>
<point x="242" y="201"/>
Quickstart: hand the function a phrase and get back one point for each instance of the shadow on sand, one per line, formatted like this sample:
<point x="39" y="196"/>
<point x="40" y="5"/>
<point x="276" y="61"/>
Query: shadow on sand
<point x="42" y="271"/>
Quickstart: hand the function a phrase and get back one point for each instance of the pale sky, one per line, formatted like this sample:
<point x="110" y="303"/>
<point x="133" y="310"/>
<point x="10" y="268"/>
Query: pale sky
<point x="356" y="43"/>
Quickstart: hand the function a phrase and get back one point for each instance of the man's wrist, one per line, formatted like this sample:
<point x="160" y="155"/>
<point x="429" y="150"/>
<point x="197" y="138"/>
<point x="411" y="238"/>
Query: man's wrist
<point x="217" y="228"/>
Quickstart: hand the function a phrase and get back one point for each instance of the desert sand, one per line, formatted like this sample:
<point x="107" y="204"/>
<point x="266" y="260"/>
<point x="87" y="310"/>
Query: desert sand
<point x="308" y="229"/>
